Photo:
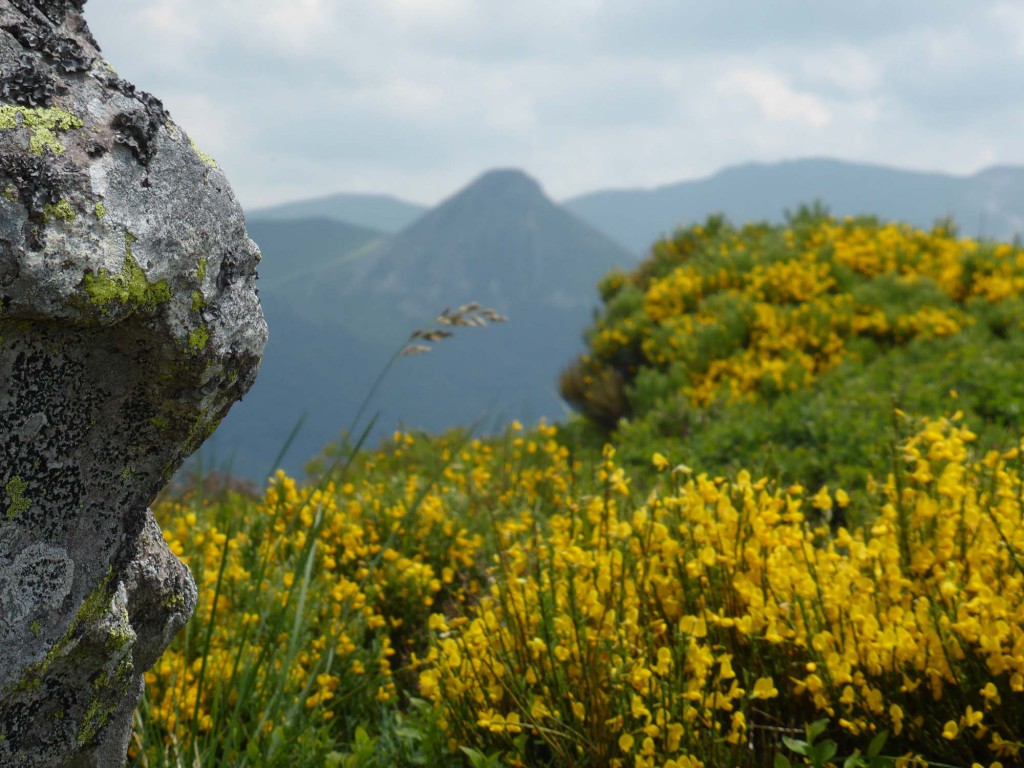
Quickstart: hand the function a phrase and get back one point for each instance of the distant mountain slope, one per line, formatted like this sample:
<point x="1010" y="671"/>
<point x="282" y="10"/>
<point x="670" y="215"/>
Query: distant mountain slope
<point x="341" y="299"/>
<point x="990" y="203"/>
<point x="499" y="241"/>
<point x="308" y="370"/>
<point x="335" y="322"/>
<point x="292" y="248"/>
<point x="381" y="212"/>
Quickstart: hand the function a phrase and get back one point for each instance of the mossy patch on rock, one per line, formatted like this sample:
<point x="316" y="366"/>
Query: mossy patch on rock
<point x="94" y="605"/>
<point x="16" y="501"/>
<point x="41" y="123"/>
<point x="129" y="288"/>
<point x="197" y="339"/>
<point x="61" y="210"/>
<point x="205" y="157"/>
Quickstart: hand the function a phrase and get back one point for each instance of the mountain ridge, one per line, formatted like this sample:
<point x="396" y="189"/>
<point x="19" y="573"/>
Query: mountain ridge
<point x="765" y="191"/>
<point x="982" y="202"/>
<point x="500" y="238"/>
<point x="386" y="213"/>
<point x="342" y="298"/>
<point x="499" y="241"/>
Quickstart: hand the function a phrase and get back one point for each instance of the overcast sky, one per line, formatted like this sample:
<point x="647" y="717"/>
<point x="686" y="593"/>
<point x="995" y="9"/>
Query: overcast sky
<point x="300" y="98"/>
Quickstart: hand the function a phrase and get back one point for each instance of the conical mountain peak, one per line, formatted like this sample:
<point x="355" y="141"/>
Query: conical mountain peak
<point x="498" y="240"/>
<point x="505" y="193"/>
<point x="504" y="181"/>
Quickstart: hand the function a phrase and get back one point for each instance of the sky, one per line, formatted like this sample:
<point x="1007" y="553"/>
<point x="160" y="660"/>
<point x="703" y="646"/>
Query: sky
<point x="415" y="98"/>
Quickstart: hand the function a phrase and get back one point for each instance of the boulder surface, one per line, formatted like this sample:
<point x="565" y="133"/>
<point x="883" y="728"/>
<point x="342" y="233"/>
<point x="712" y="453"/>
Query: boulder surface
<point x="129" y="324"/>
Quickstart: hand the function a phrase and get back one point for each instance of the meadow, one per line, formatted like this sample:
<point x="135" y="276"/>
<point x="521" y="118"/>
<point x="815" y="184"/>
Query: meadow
<point x="784" y="529"/>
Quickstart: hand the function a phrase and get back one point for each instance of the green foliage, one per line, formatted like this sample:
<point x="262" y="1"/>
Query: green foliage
<point x="783" y="349"/>
<point x="478" y="759"/>
<point x="382" y="615"/>
<point x="820" y="754"/>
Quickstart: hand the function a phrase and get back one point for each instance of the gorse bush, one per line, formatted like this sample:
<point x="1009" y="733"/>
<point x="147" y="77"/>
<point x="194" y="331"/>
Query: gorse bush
<point x="542" y="609"/>
<point x="763" y="546"/>
<point x="694" y="626"/>
<point x="315" y="602"/>
<point x="783" y="349"/>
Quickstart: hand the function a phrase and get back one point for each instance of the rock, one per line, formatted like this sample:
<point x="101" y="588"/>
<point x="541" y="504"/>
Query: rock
<point x="129" y="324"/>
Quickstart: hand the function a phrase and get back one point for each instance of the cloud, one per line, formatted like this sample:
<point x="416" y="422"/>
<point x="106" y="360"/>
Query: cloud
<point x="845" y="70"/>
<point x="417" y="97"/>
<point x="776" y="99"/>
<point x="1010" y="18"/>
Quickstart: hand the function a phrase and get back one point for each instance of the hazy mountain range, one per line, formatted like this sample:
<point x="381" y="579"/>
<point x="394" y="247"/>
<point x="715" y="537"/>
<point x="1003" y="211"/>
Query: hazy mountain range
<point x="346" y="278"/>
<point x="989" y="203"/>
<point x="342" y="299"/>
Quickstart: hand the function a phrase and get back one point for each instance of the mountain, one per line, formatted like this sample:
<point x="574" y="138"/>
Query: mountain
<point x="989" y="203"/>
<point x="336" y="316"/>
<point x="302" y="245"/>
<point x="311" y="372"/>
<point x="342" y="290"/>
<point x="500" y="241"/>
<point x="381" y="212"/>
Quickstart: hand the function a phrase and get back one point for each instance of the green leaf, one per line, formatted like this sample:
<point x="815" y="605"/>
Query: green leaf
<point x="877" y="743"/>
<point x="781" y="761"/>
<point x="252" y="751"/>
<point x="815" y="729"/>
<point x="797" y="745"/>
<point x="824" y="752"/>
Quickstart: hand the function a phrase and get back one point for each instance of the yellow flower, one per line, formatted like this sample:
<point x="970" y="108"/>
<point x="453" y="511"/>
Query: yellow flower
<point x="950" y="730"/>
<point x="822" y="501"/>
<point x="664" y="661"/>
<point x="896" y="715"/>
<point x="764" y="688"/>
<point x="990" y="693"/>
<point x="659" y="461"/>
<point x="971" y="717"/>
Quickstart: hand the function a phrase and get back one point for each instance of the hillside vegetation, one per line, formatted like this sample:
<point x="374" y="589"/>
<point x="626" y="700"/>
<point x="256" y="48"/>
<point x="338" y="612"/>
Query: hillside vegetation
<point x="341" y="301"/>
<point x="740" y="554"/>
<point x="785" y="349"/>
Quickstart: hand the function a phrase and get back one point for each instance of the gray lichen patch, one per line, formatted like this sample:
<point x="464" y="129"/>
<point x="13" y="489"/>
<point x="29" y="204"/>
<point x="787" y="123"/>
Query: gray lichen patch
<point x="37" y="581"/>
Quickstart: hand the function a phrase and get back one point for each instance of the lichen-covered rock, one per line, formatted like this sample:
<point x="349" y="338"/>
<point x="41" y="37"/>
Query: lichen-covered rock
<point x="129" y="324"/>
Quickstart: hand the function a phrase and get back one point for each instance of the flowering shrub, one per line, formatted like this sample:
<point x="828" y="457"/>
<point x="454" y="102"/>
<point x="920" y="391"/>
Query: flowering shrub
<point x="314" y="602"/>
<point x="544" y="599"/>
<point x="697" y="625"/>
<point x="515" y="600"/>
<point x="782" y="349"/>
